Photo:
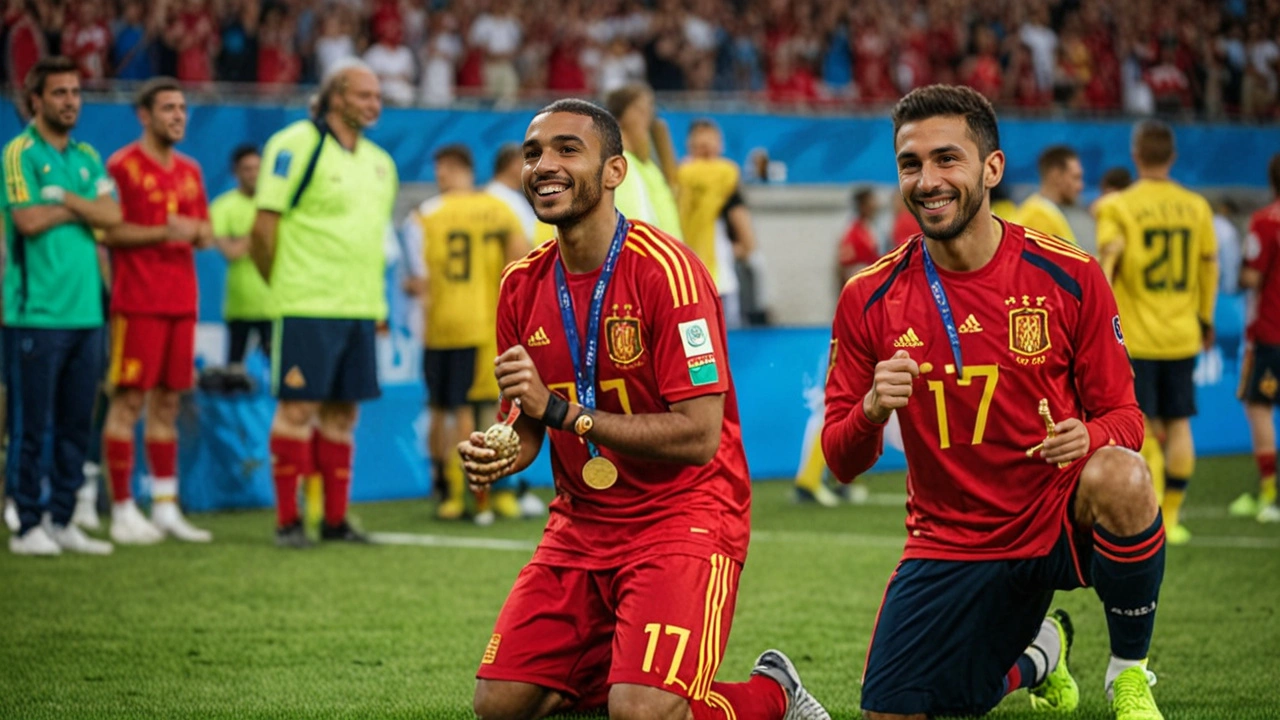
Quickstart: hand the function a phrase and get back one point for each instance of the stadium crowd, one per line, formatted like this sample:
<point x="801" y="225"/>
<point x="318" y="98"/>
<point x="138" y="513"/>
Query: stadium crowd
<point x="1214" y="58"/>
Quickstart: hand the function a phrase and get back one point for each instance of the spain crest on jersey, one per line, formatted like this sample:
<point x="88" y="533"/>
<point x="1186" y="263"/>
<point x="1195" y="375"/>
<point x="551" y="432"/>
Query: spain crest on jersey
<point x="622" y="333"/>
<point x="1029" y="331"/>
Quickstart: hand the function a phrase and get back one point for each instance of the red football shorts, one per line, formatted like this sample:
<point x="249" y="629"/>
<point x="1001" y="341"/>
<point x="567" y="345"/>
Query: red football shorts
<point x="152" y="350"/>
<point x="660" y="621"/>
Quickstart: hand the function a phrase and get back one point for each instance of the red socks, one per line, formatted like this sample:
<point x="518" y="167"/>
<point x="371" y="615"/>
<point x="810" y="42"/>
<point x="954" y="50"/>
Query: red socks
<point x="119" y="457"/>
<point x="333" y="460"/>
<point x="756" y="699"/>
<point x="290" y="459"/>
<point x="162" y="457"/>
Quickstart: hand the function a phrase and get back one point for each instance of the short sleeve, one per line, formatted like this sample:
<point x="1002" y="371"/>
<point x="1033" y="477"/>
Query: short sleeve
<point x="284" y="162"/>
<point x="21" y="181"/>
<point x="99" y="181"/>
<point x="687" y="334"/>
<point x="220" y="218"/>
<point x="201" y="203"/>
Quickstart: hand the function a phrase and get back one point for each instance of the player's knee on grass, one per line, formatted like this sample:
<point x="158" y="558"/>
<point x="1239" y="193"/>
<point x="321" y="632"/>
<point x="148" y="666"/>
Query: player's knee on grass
<point x="501" y="700"/>
<point x="640" y="702"/>
<point x="1116" y="492"/>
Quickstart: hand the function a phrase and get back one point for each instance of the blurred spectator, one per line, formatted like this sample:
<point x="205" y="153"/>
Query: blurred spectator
<point x="392" y="62"/>
<point x="565" y="72"/>
<point x="497" y="33"/>
<point x="789" y="82"/>
<point x="133" y="55"/>
<point x="1170" y="88"/>
<point x="24" y="46"/>
<point x="278" y="62"/>
<point x="982" y="70"/>
<point x="238" y="42"/>
<point x="87" y="41"/>
<point x="440" y="55"/>
<point x="859" y="247"/>
<point x="1041" y="41"/>
<point x="192" y="35"/>
<point x="335" y="42"/>
<point x="621" y="64"/>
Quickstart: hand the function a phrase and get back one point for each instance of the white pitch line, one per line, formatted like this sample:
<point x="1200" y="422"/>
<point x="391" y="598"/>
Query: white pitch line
<point x="451" y="541"/>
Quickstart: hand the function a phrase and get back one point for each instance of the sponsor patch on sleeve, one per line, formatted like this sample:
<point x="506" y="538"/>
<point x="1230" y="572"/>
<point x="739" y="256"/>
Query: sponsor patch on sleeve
<point x="283" y="161"/>
<point x="1115" y="326"/>
<point x="695" y="337"/>
<point x="703" y="370"/>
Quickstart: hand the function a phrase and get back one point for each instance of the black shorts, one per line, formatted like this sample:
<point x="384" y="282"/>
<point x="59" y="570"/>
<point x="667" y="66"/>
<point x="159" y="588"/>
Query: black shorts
<point x="324" y="359"/>
<point x="1165" y="388"/>
<point x="948" y="631"/>
<point x="449" y="375"/>
<point x="1260" y="375"/>
<point x="238" y="332"/>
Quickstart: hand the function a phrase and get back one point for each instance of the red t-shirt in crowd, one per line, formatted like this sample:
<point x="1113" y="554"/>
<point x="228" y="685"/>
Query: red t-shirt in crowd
<point x="662" y="341"/>
<point x="1037" y="321"/>
<point x="1262" y="253"/>
<point x="156" y="279"/>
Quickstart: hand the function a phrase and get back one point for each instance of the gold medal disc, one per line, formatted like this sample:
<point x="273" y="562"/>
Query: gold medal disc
<point x="599" y="473"/>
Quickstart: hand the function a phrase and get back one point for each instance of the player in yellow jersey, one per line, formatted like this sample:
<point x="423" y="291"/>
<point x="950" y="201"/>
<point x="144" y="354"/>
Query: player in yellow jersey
<point x="1157" y="245"/>
<point x="1061" y="181"/>
<point x="466" y="237"/>
<point x="716" y="221"/>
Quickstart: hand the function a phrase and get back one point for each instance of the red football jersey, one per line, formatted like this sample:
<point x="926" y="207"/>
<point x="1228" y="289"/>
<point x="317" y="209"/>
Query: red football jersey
<point x="1262" y="253"/>
<point x="157" y="279"/>
<point x="662" y="341"/>
<point x="1037" y="321"/>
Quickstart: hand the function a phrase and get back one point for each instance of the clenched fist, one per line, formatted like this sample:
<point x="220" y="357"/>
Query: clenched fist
<point x="891" y="387"/>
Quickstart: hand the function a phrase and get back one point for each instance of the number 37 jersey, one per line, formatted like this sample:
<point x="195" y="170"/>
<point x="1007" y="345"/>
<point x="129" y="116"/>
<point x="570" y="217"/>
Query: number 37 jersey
<point x="1167" y="278"/>
<point x="1037" y="321"/>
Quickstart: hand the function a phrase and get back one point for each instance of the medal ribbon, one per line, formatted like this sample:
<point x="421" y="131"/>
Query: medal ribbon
<point x="585" y="359"/>
<point x="944" y="307"/>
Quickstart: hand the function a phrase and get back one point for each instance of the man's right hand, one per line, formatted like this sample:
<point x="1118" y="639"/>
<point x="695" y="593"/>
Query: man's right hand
<point x="181" y="227"/>
<point x="482" y="464"/>
<point x="891" y="388"/>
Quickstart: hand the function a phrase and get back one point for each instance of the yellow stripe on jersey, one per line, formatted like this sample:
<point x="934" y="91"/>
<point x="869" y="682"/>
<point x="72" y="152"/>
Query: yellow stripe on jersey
<point x="719" y="589"/>
<point x="527" y="260"/>
<point x="721" y="703"/>
<point x="1057" y="245"/>
<point x="636" y="249"/>
<point x="657" y="246"/>
<point x="681" y="258"/>
<point x="18" y="190"/>
<point x="677" y="299"/>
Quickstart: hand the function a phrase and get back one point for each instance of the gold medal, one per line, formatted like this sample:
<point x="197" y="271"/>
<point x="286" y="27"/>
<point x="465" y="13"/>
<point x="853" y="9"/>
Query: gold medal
<point x="599" y="473"/>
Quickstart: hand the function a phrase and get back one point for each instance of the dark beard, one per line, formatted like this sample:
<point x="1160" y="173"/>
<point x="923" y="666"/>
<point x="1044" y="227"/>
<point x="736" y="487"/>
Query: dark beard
<point x="57" y="125"/>
<point x="585" y="199"/>
<point x="963" y="217"/>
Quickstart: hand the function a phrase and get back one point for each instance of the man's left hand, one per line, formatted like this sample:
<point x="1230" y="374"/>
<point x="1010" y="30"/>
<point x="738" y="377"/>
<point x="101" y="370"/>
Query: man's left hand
<point x="519" y="380"/>
<point x="1071" y="442"/>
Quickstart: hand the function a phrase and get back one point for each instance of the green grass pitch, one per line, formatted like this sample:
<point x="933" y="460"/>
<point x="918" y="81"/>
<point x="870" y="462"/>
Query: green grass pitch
<point x="240" y="629"/>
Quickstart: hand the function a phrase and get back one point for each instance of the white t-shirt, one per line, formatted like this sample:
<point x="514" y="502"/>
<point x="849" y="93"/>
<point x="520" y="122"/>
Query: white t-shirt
<point x="496" y="34"/>
<point x="618" y="70"/>
<point x="332" y="50"/>
<point x="1043" y="44"/>
<point x="439" y="68"/>
<point x="395" y="70"/>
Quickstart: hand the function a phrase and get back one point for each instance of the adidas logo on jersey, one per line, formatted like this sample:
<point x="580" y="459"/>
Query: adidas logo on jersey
<point x="539" y="338"/>
<point x="971" y="325"/>
<point x="908" y="339"/>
